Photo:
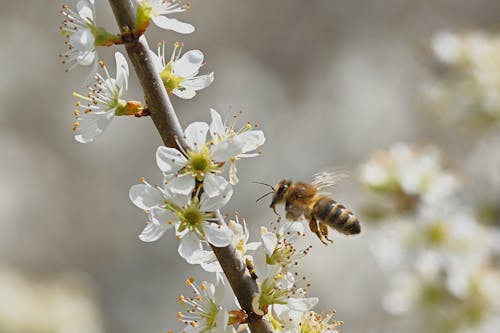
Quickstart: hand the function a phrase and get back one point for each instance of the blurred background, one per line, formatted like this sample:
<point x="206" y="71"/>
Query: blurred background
<point x="329" y="82"/>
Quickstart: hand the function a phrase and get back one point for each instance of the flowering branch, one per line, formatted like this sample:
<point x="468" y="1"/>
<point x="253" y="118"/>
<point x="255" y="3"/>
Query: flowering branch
<point x="168" y="126"/>
<point x="243" y="285"/>
<point x="159" y="104"/>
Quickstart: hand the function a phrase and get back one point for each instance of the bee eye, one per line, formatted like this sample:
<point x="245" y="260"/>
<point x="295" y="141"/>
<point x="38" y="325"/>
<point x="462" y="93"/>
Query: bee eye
<point x="282" y="189"/>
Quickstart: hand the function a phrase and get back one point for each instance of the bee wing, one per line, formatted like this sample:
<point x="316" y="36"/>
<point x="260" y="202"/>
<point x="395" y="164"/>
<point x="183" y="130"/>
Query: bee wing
<point x="323" y="181"/>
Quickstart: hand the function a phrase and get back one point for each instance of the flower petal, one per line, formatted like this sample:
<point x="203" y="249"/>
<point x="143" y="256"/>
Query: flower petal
<point x="251" y="140"/>
<point x="269" y="240"/>
<point x="146" y="196"/>
<point x="202" y="257"/>
<point x="199" y="82"/>
<point x="169" y="160"/>
<point x="221" y="319"/>
<point x="172" y="24"/>
<point x="302" y="304"/>
<point x="218" y="234"/>
<point x="158" y="64"/>
<point x="217" y="129"/>
<point x="196" y="134"/>
<point x="161" y="221"/>
<point x="190" y="247"/>
<point x="224" y="150"/>
<point x="122" y="71"/>
<point x="163" y="217"/>
<point x="241" y="143"/>
<point x="236" y="228"/>
<point x="211" y="267"/>
<point x="83" y="40"/>
<point x="183" y="184"/>
<point x="85" y="9"/>
<point x="185" y="94"/>
<point x="189" y="64"/>
<point x="209" y="204"/>
<point x="214" y="185"/>
<point x="232" y="173"/>
<point x="260" y="264"/>
<point x="220" y="291"/>
<point x="153" y="231"/>
<point x="252" y="246"/>
<point x="180" y="200"/>
<point x="92" y="125"/>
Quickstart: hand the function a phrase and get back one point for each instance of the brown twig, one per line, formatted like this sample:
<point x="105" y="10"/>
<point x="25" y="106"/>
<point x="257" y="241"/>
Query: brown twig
<point x="167" y="124"/>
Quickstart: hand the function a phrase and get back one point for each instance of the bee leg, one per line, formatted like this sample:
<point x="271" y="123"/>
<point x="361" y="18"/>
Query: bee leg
<point x="292" y="212"/>
<point x="323" y="228"/>
<point x="313" y="225"/>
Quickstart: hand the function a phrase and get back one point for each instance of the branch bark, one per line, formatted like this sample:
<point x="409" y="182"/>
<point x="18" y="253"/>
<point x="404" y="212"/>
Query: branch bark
<point x="169" y="128"/>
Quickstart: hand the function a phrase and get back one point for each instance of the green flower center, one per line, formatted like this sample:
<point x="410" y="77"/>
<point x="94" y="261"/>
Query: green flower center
<point x="282" y="254"/>
<point x="192" y="216"/>
<point x="436" y="234"/>
<point x="121" y="106"/>
<point x="200" y="163"/>
<point x="170" y="80"/>
<point x="271" y="294"/>
<point x="210" y="316"/>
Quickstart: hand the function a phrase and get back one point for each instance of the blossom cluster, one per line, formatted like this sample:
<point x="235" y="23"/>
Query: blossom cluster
<point x="106" y="96"/>
<point x="466" y="77"/>
<point x="280" y="300"/>
<point x="198" y="177"/>
<point x="441" y="259"/>
<point x="407" y="176"/>
<point x="193" y="189"/>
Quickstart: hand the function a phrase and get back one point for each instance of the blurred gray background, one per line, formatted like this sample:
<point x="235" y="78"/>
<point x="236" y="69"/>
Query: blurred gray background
<point x="327" y="80"/>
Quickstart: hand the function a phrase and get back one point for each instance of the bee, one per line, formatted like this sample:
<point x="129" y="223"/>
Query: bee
<point x="309" y="200"/>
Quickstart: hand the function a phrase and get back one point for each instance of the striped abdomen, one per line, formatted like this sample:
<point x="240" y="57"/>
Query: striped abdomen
<point x="330" y="212"/>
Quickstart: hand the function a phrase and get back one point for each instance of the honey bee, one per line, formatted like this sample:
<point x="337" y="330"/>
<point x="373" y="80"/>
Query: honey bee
<point x="310" y="201"/>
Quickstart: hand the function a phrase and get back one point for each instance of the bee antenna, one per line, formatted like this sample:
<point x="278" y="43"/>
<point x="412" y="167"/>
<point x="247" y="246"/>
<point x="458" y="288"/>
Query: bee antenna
<point x="261" y="183"/>
<point x="263" y="196"/>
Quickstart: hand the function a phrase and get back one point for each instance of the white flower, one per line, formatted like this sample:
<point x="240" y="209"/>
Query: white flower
<point x="312" y="322"/>
<point x="78" y="26"/>
<point x="209" y="262"/>
<point x="102" y="102"/>
<point x="156" y="9"/>
<point x="241" y="236"/>
<point x="205" y="312"/>
<point x="446" y="47"/>
<point x="192" y="217"/>
<point x="415" y="172"/>
<point x="404" y="292"/>
<point x="284" y="320"/>
<point x="202" y="160"/>
<point x="279" y="288"/>
<point x="182" y="169"/>
<point x="278" y="285"/>
<point x="180" y="74"/>
<point x="289" y="321"/>
<point x="278" y="248"/>
<point x="225" y="135"/>
<point x="467" y="89"/>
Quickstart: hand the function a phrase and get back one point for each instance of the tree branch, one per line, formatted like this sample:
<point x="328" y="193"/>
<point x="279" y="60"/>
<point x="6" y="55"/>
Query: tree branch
<point x="167" y="124"/>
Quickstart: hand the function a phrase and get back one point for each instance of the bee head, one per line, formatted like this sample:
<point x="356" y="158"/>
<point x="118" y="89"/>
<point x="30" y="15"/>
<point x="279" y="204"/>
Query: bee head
<point x="279" y="192"/>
